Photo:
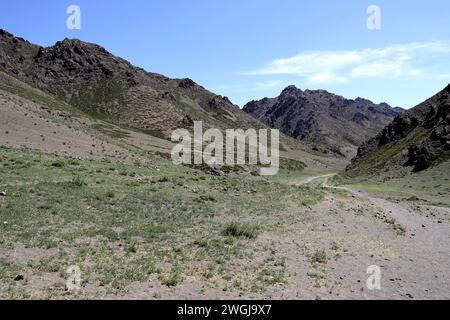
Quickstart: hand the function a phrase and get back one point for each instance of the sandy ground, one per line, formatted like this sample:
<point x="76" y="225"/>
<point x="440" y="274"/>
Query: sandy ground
<point x="25" y="124"/>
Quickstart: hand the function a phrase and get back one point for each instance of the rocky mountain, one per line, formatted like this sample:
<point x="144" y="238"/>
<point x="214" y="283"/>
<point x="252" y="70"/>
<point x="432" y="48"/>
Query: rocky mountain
<point x="107" y="97"/>
<point x="321" y="117"/>
<point x="413" y="142"/>
<point x="90" y="78"/>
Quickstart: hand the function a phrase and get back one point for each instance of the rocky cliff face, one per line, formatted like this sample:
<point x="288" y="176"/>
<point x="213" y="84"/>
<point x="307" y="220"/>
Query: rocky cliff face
<point x="318" y="116"/>
<point x="425" y="130"/>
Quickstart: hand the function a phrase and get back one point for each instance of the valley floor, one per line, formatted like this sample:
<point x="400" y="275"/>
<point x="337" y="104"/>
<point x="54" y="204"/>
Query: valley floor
<point x="151" y="230"/>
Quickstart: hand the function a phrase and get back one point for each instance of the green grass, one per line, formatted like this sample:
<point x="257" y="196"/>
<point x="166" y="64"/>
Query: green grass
<point x="111" y="130"/>
<point x="59" y="163"/>
<point x="78" y="181"/>
<point x="120" y="229"/>
<point x="158" y="133"/>
<point x="245" y="230"/>
<point x="22" y="89"/>
<point x="385" y="157"/>
<point x="173" y="279"/>
<point x="318" y="278"/>
<point x="319" y="256"/>
<point x="430" y="187"/>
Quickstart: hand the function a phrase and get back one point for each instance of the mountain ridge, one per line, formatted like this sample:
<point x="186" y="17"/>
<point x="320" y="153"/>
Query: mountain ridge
<point x="92" y="79"/>
<point x="413" y="142"/>
<point x="122" y="99"/>
<point x="322" y="117"/>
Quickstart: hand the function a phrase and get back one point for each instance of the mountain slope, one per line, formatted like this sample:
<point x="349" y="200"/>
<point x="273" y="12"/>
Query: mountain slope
<point x="321" y="117"/>
<point x="121" y="101"/>
<point x="88" y="77"/>
<point x="413" y="142"/>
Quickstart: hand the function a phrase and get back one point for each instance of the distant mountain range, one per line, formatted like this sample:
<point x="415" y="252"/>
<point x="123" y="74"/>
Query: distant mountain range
<point x="85" y="83"/>
<point x="323" y="118"/>
<point x="88" y="77"/>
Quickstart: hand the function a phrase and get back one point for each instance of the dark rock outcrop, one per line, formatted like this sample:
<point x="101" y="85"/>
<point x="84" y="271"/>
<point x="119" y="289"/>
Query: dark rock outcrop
<point x="426" y="126"/>
<point x="323" y="118"/>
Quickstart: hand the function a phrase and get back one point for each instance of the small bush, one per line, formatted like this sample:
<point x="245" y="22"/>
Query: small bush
<point x="334" y="246"/>
<point x="399" y="229"/>
<point x="203" y="199"/>
<point x="74" y="162"/>
<point x="132" y="248"/>
<point x="317" y="279"/>
<point x="238" y="230"/>
<point x="174" y="279"/>
<point x="110" y="194"/>
<point x="77" y="181"/>
<point x="59" y="164"/>
<point x="319" y="256"/>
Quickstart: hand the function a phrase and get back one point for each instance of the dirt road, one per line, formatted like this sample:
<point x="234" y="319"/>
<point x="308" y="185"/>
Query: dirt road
<point x="417" y="258"/>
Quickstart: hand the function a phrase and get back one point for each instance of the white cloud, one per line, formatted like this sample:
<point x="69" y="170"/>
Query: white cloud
<point x="339" y="66"/>
<point x="379" y="68"/>
<point x="308" y="63"/>
<point x="322" y="78"/>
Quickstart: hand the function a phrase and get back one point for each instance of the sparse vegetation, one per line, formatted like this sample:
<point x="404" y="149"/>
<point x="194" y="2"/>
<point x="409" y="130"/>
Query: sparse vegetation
<point x="153" y="223"/>
<point x="78" y="181"/>
<point x="104" y="196"/>
<point x="319" y="256"/>
<point x="317" y="278"/>
<point x="334" y="246"/>
<point x="173" y="279"/>
<point x="236" y="229"/>
<point x="59" y="164"/>
<point x="110" y="194"/>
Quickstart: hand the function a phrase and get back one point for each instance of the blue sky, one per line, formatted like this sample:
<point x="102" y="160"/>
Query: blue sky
<point x="250" y="49"/>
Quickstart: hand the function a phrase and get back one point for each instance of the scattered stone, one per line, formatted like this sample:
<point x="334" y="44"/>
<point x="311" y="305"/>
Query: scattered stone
<point x="2" y="194"/>
<point x="19" y="277"/>
<point x="186" y="83"/>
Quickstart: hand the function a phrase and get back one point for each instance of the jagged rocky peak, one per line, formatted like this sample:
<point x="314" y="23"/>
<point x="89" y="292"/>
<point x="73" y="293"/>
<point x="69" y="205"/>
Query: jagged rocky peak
<point x="322" y="117"/>
<point x="5" y="33"/>
<point x="291" y="90"/>
<point x="218" y="102"/>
